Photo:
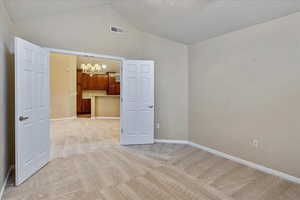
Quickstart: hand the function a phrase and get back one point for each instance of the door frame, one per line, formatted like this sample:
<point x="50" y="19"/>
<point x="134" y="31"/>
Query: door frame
<point x="121" y="59"/>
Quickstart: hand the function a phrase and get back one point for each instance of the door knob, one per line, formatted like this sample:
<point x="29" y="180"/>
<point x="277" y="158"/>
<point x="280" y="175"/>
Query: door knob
<point x="22" y="118"/>
<point x="150" y="107"/>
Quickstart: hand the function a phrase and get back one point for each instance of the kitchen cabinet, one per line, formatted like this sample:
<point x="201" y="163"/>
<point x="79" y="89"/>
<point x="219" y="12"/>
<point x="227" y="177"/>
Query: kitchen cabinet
<point x="83" y="105"/>
<point x="113" y="85"/>
<point x="96" y="82"/>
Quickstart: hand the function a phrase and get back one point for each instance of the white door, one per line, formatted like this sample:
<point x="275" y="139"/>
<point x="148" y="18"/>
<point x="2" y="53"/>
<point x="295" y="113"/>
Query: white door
<point x="137" y="125"/>
<point x="31" y="109"/>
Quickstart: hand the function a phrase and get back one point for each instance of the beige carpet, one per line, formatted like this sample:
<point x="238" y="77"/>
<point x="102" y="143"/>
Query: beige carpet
<point x="88" y="164"/>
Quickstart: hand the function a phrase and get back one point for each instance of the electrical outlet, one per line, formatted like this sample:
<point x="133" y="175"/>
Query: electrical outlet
<point x="157" y="125"/>
<point x="255" y="143"/>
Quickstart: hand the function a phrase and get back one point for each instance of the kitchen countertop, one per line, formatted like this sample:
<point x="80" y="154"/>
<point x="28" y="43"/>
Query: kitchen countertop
<point x="93" y="94"/>
<point x="87" y="94"/>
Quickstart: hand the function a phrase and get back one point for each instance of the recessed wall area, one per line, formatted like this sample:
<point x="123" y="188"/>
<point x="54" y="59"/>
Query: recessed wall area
<point x="75" y="93"/>
<point x="63" y="85"/>
<point x="98" y="93"/>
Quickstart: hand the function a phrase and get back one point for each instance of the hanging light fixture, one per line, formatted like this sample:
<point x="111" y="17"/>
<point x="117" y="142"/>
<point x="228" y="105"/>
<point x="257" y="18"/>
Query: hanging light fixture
<point x="93" y="69"/>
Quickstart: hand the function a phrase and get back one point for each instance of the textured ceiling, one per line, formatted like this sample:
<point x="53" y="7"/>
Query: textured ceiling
<point x="190" y="21"/>
<point x="28" y="9"/>
<point x="186" y="21"/>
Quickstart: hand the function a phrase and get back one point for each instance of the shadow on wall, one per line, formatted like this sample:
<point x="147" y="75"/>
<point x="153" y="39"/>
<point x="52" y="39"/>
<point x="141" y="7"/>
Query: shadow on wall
<point x="6" y="110"/>
<point x="11" y="108"/>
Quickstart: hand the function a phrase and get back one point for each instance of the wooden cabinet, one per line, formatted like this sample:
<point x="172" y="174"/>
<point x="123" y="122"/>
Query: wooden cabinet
<point x="95" y="82"/>
<point x="84" y="80"/>
<point x="83" y="105"/>
<point x="113" y="86"/>
<point x="102" y="82"/>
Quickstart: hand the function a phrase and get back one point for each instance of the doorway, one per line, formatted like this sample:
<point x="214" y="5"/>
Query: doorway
<point x="32" y="107"/>
<point x="98" y="88"/>
<point x="85" y="93"/>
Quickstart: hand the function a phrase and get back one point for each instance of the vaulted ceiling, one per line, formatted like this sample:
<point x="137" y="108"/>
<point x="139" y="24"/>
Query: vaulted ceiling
<point x="185" y="21"/>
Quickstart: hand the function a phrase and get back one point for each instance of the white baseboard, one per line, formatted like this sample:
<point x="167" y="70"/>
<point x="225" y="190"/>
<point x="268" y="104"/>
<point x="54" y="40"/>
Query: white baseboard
<point x="5" y="182"/>
<point x="63" y="119"/>
<point x="107" y="117"/>
<point x="172" y="141"/>
<point x="238" y="160"/>
<point x="75" y="117"/>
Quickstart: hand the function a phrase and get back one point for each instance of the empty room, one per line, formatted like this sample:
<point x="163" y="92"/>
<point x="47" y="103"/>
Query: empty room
<point x="149" y="99"/>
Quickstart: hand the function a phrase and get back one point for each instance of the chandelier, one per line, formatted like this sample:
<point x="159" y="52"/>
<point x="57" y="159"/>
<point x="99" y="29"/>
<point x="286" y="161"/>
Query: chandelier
<point x="93" y="69"/>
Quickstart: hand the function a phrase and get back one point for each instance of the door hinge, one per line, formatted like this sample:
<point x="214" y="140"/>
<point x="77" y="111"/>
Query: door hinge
<point x="122" y="130"/>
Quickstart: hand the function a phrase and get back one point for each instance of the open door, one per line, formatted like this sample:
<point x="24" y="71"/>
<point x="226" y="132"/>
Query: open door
<point x="32" y="142"/>
<point x="137" y="125"/>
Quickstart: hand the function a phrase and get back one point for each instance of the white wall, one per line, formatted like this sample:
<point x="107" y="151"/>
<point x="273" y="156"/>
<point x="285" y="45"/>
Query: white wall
<point x="5" y="104"/>
<point x="245" y="85"/>
<point x="87" y="30"/>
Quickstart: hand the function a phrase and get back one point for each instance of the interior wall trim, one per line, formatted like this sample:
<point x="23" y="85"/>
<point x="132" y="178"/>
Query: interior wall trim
<point x="107" y="117"/>
<point x="172" y="141"/>
<point x="236" y="159"/>
<point x="77" y="53"/>
<point x="5" y="181"/>
<point x="63" y="119"/>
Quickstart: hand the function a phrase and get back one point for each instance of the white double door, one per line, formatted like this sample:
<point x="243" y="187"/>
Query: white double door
<point x="32" y="139"/>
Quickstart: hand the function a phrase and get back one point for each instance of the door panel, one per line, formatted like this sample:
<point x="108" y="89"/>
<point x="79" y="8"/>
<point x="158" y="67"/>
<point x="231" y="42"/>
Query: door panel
<point x="92" y="81"/>
<point x="83" y="105"/>
<point x="113" y="85"/>
<point x="138" y="103"/>
<point x="84" y="81"/>
<point x="86" y="106"/>
<point x="101" y="82"/>
<point x="32" y="109"/>
<point x="79" y="77"/>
